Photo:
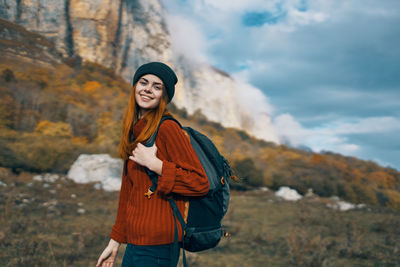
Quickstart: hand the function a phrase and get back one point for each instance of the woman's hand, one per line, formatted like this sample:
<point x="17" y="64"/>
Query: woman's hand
<point x="147" y="157"/>
<point x="109" y="254"/>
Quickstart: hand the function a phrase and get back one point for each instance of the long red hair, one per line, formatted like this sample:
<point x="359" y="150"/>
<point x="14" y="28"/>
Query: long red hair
<point x="131" y="116"/>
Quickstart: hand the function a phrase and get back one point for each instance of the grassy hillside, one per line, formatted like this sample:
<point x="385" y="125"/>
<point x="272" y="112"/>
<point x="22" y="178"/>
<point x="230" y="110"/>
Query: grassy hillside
<point x="56" y="222"/>
<point x="53" y="109"/>
<point x="51" y="115"/>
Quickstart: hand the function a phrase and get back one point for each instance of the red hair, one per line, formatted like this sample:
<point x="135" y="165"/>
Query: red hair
<point x="131" y="116"/>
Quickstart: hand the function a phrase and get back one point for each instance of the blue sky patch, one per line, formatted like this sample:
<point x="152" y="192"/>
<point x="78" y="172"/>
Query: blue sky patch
<point x="302" y="6"/>
<point x="335" y="84"/>
<point x="257" y="19"/>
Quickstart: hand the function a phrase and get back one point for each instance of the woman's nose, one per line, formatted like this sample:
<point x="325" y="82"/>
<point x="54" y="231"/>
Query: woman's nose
<point x="147" y="88"/>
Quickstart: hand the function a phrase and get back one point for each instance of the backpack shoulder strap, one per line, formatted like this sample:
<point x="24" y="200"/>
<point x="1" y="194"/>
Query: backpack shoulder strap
<point x="175" y="211"/>
<point x="154" y="176"/>
<point x="152" y="139"/>
<point x="151" y="142"/>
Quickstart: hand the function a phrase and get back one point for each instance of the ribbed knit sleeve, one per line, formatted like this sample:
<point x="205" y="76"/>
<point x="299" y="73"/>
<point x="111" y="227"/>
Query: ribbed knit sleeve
<point x="182" y="172"/>
<point x="118" y="231"/>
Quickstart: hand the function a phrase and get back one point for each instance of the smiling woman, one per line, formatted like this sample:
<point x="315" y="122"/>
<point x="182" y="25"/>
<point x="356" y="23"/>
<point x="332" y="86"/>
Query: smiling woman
<point x="148" y="92"/>
<point x="147" y="225"/>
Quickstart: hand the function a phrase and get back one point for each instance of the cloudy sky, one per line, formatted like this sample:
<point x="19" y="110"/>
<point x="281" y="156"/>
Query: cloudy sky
<point x="329" y="69"/>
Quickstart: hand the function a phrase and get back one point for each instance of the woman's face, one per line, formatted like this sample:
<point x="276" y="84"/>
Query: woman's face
<point x="148" y="93"/>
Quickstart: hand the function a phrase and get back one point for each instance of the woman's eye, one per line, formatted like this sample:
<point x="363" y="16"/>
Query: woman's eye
<point x="158" y="87"/>
<point x="143" y="82"/>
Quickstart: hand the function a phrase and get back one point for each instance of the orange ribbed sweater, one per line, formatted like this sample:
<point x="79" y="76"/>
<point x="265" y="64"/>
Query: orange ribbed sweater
<point x="143" y="221"/>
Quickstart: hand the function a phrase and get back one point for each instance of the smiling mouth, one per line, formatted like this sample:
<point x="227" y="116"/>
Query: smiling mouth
<point x="145" y="97"/>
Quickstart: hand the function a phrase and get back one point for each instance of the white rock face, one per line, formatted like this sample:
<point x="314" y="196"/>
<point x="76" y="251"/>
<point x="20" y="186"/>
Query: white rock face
<point x="222" y="98"/>
<point x="214" y="93"/>
<point x="341" y="205"/>
<point x="97" y="168"/>
<point x="288" y="194"/>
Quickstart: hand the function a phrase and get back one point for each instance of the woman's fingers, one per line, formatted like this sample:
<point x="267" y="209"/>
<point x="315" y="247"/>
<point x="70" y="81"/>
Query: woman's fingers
<point x="104" y="257"/>
<point x="109" y="254"/>
<point x="100" y="261"/>
<point x="142" y="148"/>
<point x="142" y="154"/>
<point x="109" y="262"/>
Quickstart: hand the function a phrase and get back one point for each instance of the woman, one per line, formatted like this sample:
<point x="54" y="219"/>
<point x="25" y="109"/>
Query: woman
<point x="147" y="224"/>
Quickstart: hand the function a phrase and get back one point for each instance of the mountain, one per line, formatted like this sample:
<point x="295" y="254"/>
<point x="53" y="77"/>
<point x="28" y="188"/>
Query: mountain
<point x="17" y="43"/>
<point x="122" y="35"/>
<point x="54" y="107"/>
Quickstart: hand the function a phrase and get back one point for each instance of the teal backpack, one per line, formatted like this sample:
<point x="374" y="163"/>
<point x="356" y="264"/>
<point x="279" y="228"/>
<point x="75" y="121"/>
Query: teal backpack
<point x="203" y="229"/>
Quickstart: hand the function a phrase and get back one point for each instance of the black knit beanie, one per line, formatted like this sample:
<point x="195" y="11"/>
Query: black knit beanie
<point x="162" y="71"/>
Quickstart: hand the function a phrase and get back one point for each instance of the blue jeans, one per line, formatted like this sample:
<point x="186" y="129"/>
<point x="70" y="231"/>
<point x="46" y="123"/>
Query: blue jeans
<point x="150" y="256"/>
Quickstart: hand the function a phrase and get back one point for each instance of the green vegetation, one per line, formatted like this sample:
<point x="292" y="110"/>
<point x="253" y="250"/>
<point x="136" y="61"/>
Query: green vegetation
<point x="60" y="223"/>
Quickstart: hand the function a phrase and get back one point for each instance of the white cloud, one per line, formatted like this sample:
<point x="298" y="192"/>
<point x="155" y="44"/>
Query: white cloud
<point x="368" y="125"/>
<point x="328" y="62"/>
<point x="330" y="136"/>
<point x="255" y="105"/>
<point x="187" y="38"/>
<point x="348" y="149"/>
<point x="252" y="98"/>
<point x="333" y="136"/>
<point x="290" y="130"/>
<point x="240" y="5"/>
<point x="304" y="18"/>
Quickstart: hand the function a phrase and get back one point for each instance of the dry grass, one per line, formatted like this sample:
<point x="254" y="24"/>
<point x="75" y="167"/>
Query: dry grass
<point x="41" y="226"/>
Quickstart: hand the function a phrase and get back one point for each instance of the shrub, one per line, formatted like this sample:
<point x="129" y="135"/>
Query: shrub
<point x="246" y="169"/>
<point x="60" y="129"/>
<point x="32" y="152"/>
<point x="8" y="75"/>
<point x="394" y="199"/>
<point x="364" y="194"/>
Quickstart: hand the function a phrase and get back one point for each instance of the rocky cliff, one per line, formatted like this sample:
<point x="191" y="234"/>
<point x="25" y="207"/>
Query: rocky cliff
<point x="123" y="34"/>
<point x="16" y="43"/>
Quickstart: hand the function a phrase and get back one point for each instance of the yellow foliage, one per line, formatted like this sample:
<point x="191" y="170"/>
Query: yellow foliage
<point x="91" y="87"/>
<point x="364" y="193"/>
<point x="60" y="129"/>
<point x="80" y="140"/>
<point x="268" y="154"/>
<point x="317" y="159"/>
<point x="237" y="154"/>
<point x="290" y="155"/>
<point x="356" y="175"/>
<point x="381" y="178"/>
<point x="268" y="179"/>
<point x="342" y="167"/>
<point x="45" y="154"/>
<point x="104" y="118"/>
<point x="394" y="199"/>
<point x="219" y="143"/>
<point x="108" y="131"/>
